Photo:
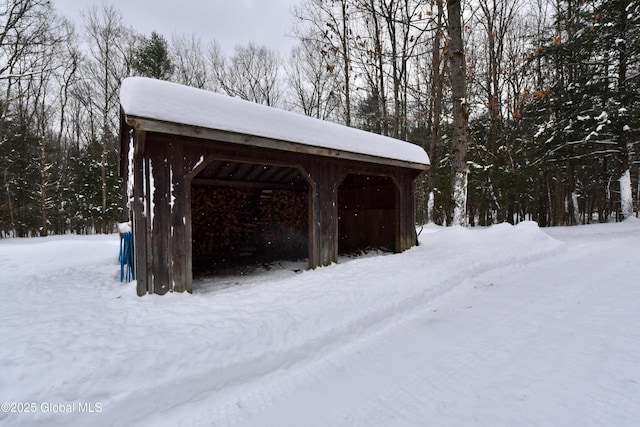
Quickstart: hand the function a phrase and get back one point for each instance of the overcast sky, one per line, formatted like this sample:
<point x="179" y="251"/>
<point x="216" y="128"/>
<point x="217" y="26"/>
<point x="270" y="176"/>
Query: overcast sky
<point x="230" y="22"/>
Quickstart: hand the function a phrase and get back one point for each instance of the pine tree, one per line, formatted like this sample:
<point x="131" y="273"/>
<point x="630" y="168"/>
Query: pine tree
<point x="152" y="59"/>
<point x="583" y="122"/>
<point x="19" y="213"/>
<point x="617" y="27"/>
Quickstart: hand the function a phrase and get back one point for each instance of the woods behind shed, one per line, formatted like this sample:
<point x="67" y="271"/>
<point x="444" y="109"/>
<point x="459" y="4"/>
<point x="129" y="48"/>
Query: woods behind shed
<point x="212" y="179"/>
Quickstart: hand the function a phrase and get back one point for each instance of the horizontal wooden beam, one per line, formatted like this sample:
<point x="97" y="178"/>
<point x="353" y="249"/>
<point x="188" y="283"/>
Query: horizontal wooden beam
<point x="152" y="125"/>
<point x="246" y="184"/>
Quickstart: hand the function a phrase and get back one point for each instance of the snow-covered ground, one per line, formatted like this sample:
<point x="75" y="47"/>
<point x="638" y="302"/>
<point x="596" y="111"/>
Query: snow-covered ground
<point x="502" y="326"/>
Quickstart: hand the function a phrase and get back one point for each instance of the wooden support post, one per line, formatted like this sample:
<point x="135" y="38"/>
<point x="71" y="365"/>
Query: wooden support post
<point x="406" y="210"/>
<point x="194" y="161"/>
<point x="161" y="227"/>
<point x="323" y="214"/>
<point x="139" y="219"/>
<point x="178" y="218"/>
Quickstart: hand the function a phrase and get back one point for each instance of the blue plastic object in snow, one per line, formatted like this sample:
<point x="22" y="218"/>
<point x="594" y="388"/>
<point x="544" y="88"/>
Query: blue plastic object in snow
<point x="126" y="257"/>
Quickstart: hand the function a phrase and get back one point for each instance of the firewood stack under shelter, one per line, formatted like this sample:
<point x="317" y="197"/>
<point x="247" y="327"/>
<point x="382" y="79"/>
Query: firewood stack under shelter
<point x="214" y="183"/>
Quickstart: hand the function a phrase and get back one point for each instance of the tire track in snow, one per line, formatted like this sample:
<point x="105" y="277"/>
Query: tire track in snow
<point x="282" y="367"/>
<point x="224" y="391"/>
<point x="413" y="399"/>
<point x="471" y="354"/>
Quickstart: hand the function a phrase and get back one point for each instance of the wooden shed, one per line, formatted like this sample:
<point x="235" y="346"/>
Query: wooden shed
<point x="213" y="179"/>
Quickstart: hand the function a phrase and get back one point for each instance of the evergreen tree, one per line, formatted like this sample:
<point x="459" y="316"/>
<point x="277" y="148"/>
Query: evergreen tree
<point x="19" y="213"/>
<point x="616" y="26"/>
<point x="580" y="124"/>
<point x="152" y="59"/>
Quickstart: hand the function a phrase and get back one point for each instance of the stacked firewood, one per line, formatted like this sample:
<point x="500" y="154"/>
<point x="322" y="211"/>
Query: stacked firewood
<point x="264" y="221"/>
<point x="289" y="221"/>
<point x="221" y="225"/>
<point x="233" y="226"/>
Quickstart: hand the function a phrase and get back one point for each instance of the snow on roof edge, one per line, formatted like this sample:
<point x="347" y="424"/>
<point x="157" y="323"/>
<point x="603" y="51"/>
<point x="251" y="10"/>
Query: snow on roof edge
<point x="171" y="102"/>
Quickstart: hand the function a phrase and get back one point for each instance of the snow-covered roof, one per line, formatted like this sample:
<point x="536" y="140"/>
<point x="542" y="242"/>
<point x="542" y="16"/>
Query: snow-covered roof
<point x="146" y="102"/>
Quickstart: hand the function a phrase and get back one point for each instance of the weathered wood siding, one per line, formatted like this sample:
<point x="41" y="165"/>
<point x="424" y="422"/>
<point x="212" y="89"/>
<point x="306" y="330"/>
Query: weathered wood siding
<point x="367" y="213"/>
<point x="165" y="165"/>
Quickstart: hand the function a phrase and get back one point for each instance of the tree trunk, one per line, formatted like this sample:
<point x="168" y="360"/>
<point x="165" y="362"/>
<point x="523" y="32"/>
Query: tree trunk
<point x="626" y="193"/>
<point x="44" y="220"/>
<point x="382" y="92"/>
<point x="435" y="115"/>
<point x="457" y="75"/>
<point x="346" y="64"/>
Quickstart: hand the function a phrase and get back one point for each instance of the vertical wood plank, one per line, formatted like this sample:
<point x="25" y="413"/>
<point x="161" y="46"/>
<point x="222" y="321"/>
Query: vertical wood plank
<point x="314" y="213"/>
<point x="400" y="213"/>
<point x="188" y="235"/>
<point x="331" y="212"/>
<point x="139" y="219"/>
<point x="406" y="211"/>
<point x="148" y="215"/>
<point x="161" y="218"/>
<point x="178" y="217"/>
<point x="315" y="229"/>
<point x="125" y="135"/>
<point x="323" y="221"/>
<point x="192" y="158"/>
<point x="412" y="211"/>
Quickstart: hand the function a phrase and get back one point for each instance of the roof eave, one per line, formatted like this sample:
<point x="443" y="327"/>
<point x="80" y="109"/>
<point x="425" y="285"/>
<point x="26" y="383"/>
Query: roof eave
<point x="154" y="125"/>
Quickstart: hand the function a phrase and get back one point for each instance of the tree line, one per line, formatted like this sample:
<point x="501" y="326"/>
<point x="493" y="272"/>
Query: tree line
<point x="549" y="101"/>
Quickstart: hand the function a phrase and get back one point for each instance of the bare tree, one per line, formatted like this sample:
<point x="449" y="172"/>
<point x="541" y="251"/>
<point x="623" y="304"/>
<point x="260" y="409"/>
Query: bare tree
<point x="315" y="89"/>
<point x="55" y="65"/>
<point x="253" y="74"/>
<point x="67" y="78"/>
<point x="328" y="23"/>
<point x="496" y="18"/>
<point x="32" y="41"/>
<point x="189" y="59"/>
<point x="372" y="56"/>
<point x="109" y="56"/>
<point x="406" y="26"/>
<point x="22" y="27"/>
<point x="436" y="91"/>
<point x="215" y="65"/>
